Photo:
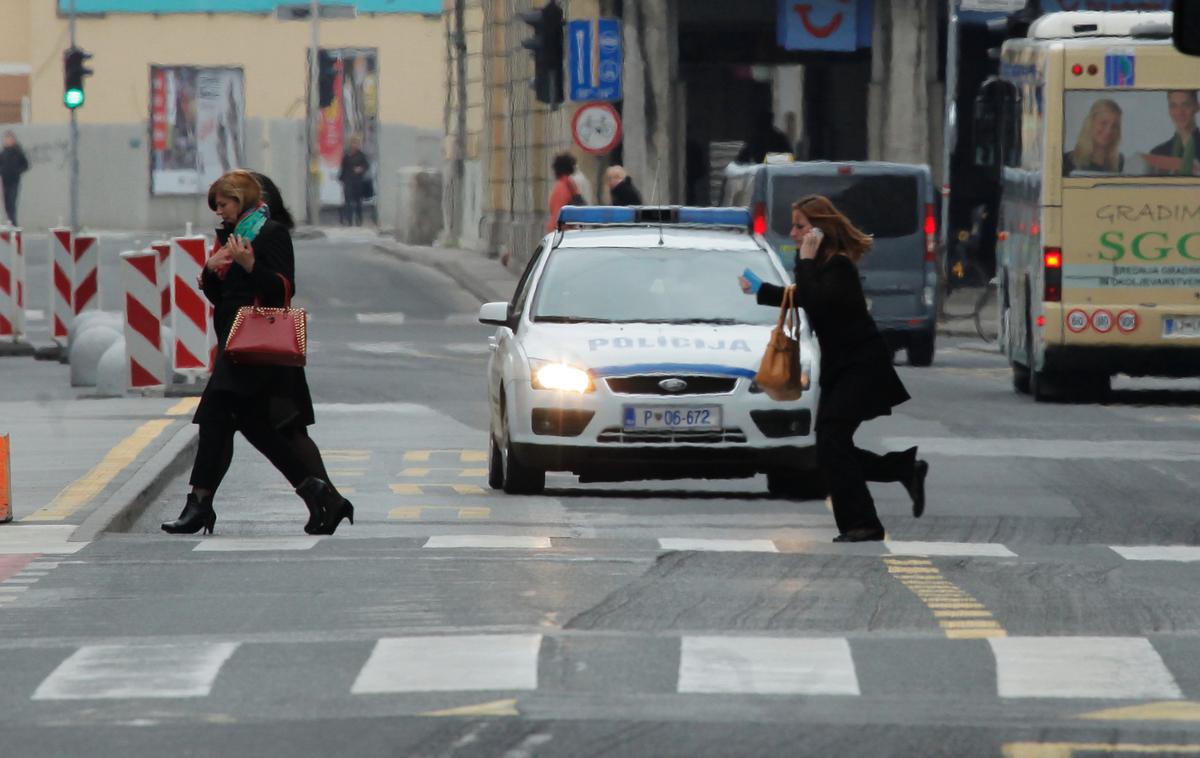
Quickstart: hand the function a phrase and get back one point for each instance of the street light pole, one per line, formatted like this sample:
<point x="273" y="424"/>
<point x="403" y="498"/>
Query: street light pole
<point x="314" y="152"/>
<point x="73" y="176"/>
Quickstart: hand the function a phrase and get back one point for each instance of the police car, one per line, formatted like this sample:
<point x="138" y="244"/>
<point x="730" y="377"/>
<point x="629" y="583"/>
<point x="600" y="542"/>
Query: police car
<point x="629" y="352"/>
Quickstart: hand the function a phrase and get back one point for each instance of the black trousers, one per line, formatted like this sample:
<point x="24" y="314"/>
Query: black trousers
<point x="289" y="450"/>
<point x="352" y="209"/>
<point x="848" y="468"/>
<point x="10" y="201"/>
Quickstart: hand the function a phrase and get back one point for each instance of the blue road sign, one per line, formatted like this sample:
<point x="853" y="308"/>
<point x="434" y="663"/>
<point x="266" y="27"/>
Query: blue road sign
<point x="594" y="59"/>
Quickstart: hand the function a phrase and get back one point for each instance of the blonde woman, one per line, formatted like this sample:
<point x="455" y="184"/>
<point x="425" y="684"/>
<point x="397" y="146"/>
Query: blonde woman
<point x="1098" y="143"/>
<point x="858" y="382"/>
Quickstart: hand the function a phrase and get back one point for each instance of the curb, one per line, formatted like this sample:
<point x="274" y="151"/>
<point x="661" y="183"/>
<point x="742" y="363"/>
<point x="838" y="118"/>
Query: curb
<point x="16" y="349"/>
<point x="131" y="500"/>
<point x="478" y="289"/>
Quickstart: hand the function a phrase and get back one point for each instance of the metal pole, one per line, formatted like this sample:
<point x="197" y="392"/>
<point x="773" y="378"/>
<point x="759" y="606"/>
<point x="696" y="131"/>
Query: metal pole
<point x="73" y="177"/>
<point x="314" y="111"/>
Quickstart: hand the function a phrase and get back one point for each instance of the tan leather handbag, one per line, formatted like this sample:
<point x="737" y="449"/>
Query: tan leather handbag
<point x="779" y="374"/>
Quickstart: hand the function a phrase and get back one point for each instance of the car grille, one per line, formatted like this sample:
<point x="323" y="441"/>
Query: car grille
<point x="618" y="435"/>
<point x="648" y="385"/>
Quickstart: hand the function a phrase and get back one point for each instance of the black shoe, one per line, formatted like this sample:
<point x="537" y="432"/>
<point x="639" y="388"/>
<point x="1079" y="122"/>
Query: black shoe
<point x="916" y="487"/>
<point x="860" y="535"/>
<point x="326" y="508"/>
<point x="197" y="514"/>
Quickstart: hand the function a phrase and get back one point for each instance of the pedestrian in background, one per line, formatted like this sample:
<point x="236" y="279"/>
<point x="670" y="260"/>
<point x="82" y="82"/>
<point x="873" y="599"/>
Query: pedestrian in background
<point x="254" y="264"/>
<point x="858" y="382"/>
<point x="354" y="179"/>
<point x="620" y="187"/>
<point x="12" y="164"/>
<point x="565" y="191"/>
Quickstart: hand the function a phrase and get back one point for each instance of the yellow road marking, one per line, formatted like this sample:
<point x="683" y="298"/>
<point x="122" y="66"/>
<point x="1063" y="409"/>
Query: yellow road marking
<point x="415" y="472"/>
<point x="416" y="512"/>
<point x="420" y="471"/>
<point x="348" y="471"/>
<point x="1068" y="749"/>
<point x="80" y="492"/>
<point x="474" y="513"/>
<point x="468" y="489"/>
<point x="417" y="455"/>
<point x="410" y="512"/>
<point x="494" y="708"/>
<point x="406" y="489"/>
<point x="347" y="456"/>
<point x="472" y="456"/>
<point x="463" y="456"/>
<point x="1170" y="710"/>
<point x="958" y="613"/>
<point x="473" y="472"/>
<point x="184" y="406"/>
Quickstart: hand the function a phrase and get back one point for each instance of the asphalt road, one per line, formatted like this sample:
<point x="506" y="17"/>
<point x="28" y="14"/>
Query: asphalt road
<point x="1044" y="606"/>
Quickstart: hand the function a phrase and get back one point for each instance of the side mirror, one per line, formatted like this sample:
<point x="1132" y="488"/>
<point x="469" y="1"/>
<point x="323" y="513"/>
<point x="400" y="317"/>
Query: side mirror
<point x="495" y="314"/>
<point x="1185" y="26"/>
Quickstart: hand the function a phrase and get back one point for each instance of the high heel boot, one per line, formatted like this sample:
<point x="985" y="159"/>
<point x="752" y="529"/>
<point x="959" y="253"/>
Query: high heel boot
<point x="326" y="508"/>
<point x="197" y="514"/>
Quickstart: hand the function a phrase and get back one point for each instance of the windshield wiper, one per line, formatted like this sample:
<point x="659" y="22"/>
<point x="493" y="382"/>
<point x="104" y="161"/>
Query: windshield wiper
<point x="718" y="321"/>
<point x="571" y="320"/>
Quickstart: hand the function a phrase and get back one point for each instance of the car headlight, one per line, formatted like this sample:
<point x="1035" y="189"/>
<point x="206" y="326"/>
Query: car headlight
<point x="548" y="375"/>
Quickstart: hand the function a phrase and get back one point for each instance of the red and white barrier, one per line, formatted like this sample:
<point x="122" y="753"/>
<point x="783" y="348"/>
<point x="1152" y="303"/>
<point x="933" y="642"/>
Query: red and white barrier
<point x="163" y="248"/>
<point x="86" y="250"/>
<point x="12" y="284"/>
<point x="189" y="313"/>
<point x="62" y="278"/>
<point x="143" y="320"/>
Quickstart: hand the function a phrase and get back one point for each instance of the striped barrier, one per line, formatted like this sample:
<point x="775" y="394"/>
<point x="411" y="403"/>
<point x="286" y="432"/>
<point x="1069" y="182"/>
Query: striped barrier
<point x="189" y="312"/>
<point x="163" y="248"/>
<point x="85" y="248"/>
<point x="143" y="319"/>
<point x="12" y="284"/>
<point x="62" y="276"/>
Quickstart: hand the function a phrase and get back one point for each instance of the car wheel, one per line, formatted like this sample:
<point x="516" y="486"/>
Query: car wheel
<point x="920" y="348"/>
<point x="517" y="478"/>
<point x="495" y="464"/>
<point x="1020" y="378"/>
<point x="797" y="485"/>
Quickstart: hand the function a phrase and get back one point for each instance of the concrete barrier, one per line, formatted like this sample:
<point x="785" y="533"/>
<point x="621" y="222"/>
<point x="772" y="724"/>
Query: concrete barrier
<point x="112" y="373"/>
<point x="87" y="350"/>
<point x="419" y="206"/>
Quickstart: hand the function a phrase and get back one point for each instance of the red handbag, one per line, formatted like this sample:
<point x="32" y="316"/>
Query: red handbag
<point x="269" y="336"/>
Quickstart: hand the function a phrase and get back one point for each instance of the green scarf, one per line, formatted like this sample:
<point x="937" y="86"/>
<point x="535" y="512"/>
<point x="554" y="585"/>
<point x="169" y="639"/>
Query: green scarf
<point x="251" y="222"/>
<point x="1188" y="154"/>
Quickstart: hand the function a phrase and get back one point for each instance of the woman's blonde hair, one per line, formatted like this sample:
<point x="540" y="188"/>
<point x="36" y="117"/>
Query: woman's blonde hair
<point x="841" y="236"/>
<point x="238" y="184"/>
<point x="1082" y="154"/>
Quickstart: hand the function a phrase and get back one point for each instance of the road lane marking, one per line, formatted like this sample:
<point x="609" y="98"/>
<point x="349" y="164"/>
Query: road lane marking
<point x="417" y="512"/>
<point x="948" y="602"/>
<point x="347" y="456"/>
<point x="389" y="319"/>
<point x="347" y="472"/>
<point x="136" y="671"/>
<point x="183" y="407"/>
<point x="251" y="544"/>
<point x="1048" y="449"/>
<point x="506" y="707"/>
<point x="488" y="541"/>
<point x="718" y="546"/>
<point x="429" y="488"/>
<point x="33" y="539"/>
<point x="1171" y="710"/>
<point x="1069" y="749"/>
<point x="80" y="492"/>
<point x="966" y="549"/>
<point x="1125" y="668"/>
<point x="1181" y="553"/>
<point x="765" y="666"/>
<point x="451" y="664"/>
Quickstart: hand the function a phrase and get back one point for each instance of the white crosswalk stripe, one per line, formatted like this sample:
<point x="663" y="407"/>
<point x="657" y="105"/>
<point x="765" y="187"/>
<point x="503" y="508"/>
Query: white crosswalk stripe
<point x="451" y="664"/>
<point x="1182" y="553"/>
<point x="714" y="545"/>
<point x="763" y="666"/>
<point x="136" y="671"/>
<point x="1081" y="667"/>
<point x="390" y="319"/>
<point x="488" y="541"/>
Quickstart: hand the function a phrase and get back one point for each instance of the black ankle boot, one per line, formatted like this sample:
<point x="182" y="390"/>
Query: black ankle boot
<point x="915" y="484"/>
<point x="326" y="508"/>
<point x="197" y="514"/>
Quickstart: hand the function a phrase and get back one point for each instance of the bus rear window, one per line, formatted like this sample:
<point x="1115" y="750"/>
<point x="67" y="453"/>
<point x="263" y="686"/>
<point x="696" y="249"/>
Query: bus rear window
<point x="1130" y="133"/>
<point x="880" y="205"/>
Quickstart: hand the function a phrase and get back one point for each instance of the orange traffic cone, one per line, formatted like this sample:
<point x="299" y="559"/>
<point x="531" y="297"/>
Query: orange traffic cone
<point x="5" y="482"/>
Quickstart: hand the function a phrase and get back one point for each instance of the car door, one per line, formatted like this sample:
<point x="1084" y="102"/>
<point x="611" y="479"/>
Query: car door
<point x="507" y="351"/>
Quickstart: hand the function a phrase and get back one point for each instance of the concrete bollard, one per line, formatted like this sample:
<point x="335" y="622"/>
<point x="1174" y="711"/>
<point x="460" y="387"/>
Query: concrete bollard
<point x="112" y="373"/>
<point x="86" y="351"/>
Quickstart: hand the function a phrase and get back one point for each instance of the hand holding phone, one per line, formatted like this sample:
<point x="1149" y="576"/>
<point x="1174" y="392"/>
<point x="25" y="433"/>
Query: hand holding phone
<point x="750" y="282"/>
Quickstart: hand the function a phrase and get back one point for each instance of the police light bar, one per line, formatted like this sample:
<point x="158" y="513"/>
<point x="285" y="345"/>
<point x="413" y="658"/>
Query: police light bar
<point x="603" y="215"/>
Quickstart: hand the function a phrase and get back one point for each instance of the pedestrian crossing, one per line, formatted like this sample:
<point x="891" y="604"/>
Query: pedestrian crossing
<point x="1019" y="668"/>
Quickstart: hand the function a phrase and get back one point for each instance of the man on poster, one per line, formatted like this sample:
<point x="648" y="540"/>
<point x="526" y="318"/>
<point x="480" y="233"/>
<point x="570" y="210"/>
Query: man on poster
<point x="1177" y="156"/>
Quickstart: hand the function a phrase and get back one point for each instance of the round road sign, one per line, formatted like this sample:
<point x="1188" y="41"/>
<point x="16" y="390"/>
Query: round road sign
<point x="1127" y="321"/>
<point x="597" y="128"/>
<point x="1077" y="321"/>
<point x="1102" y="321"/>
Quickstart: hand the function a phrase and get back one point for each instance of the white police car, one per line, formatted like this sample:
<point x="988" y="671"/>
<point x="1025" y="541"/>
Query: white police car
<point x="629" y="352"/>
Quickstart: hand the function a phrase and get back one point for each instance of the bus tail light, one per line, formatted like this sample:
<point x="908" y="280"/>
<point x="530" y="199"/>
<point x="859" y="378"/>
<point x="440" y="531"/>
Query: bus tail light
<point x="1052" y="272"/>
<point x="930" y="234"/>
<point x="760" y="218"/>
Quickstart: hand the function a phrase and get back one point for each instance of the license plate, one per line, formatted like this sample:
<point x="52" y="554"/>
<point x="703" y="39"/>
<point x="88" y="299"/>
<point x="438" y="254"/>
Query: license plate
<point x="1181" y="326"/>
<point x="673" y="417"/>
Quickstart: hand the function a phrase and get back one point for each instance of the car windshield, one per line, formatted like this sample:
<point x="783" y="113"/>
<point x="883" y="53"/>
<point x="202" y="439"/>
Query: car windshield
<point x="636" y="285"/>
<point x="881" y="205"/>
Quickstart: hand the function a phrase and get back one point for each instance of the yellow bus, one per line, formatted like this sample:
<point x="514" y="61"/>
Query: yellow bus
<point x="1093" y="118"/>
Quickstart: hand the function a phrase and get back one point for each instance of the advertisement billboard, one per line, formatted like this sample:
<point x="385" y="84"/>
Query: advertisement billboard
<point x="197" y="127"/>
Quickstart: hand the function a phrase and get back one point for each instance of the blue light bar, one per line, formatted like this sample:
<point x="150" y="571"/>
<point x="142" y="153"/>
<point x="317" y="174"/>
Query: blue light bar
<point x="594" y="215"/>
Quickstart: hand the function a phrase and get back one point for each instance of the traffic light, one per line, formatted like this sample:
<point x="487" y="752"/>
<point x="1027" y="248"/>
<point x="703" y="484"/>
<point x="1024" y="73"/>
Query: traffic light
<point x="547" y="47"/>
<point x="73" y="73"/>
<point x="326" y="78"/>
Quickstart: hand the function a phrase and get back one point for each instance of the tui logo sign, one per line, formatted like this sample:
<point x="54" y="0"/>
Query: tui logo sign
<point x="837" y="25"/>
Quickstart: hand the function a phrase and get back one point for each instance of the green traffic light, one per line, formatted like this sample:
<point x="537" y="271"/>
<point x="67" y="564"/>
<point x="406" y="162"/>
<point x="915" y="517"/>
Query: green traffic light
<point x="73" y="98"/>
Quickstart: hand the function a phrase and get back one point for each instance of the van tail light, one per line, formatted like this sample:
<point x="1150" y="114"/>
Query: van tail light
<point x="930" y="234"/>
<point x="1052" y="269"/>
<point x="760" y="218"/>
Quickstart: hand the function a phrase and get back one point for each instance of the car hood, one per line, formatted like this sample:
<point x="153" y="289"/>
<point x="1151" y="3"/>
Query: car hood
<point x="616" y="349"/>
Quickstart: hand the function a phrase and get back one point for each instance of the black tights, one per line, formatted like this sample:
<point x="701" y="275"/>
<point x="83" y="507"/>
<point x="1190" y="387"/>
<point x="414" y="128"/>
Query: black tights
<point x="290" y="450"/>
<point x="848" y="468"/>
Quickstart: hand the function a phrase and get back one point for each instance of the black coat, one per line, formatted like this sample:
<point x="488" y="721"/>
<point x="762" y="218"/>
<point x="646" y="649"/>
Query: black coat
<point x="279" y="391"/>
<point x="353" y="181"/>
<point x="625" y="193"/>
<point x="858" y="381"/>
<point x="12" y="164"/>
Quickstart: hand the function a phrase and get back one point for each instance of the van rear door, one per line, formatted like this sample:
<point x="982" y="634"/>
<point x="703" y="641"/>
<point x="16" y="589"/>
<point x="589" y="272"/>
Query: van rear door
<point x="886" y="202"/>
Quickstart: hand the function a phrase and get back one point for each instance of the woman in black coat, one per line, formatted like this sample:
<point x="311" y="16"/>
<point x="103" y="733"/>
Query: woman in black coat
<point x="858" y="382"/>
<point x="269" y="405"/>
